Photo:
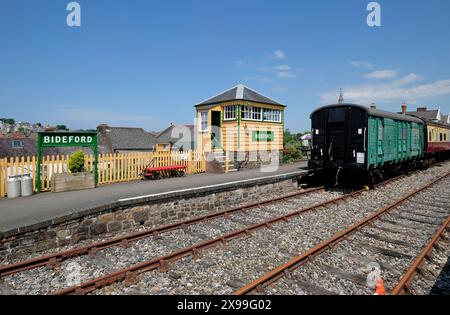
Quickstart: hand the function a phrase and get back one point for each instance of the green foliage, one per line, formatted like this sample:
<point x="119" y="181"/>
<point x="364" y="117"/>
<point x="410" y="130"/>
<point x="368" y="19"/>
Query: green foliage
<point x="292" y="145"/>
<point x="76" y="162"/>
<point x="8" y="121"/>
<point x="61" y="127"/>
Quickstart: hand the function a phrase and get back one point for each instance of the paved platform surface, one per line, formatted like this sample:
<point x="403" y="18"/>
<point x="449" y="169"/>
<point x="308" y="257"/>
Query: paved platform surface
<point x="15" y="213"/>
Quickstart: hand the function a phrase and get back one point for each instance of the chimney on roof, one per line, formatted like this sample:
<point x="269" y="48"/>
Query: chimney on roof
<point x="373" y="106"/>
<point x="421" y="109"/>
<point x="404" y="107"/>
<point x="102" y="128"/>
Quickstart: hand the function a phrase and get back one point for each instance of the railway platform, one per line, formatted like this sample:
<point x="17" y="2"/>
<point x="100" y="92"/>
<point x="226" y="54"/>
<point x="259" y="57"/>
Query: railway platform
<point x="23" y="215"/>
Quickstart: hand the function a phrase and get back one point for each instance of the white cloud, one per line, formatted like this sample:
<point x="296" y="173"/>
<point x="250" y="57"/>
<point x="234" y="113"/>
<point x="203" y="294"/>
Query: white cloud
<point x="395" y="91"/>
<point x="381" y="74"/>
<point x="283" y="68"/>
<point x="277" y="54"/>
<point x="410" y="78"/>
<point x="361" y="64"/>
<point x="286" y="75"/>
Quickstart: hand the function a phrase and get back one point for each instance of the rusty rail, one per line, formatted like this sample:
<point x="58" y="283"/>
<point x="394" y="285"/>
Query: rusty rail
<point x="299" y="260"/>
<point x="52" y="259"/>
<point x="163" y="262"/>
<point x="406" y="281"/>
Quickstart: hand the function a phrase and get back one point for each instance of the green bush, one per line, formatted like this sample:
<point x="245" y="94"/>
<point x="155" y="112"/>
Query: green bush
<point x="292" y="147"/>
<point x="292" y="151"/>
<point x="76" y="162"/>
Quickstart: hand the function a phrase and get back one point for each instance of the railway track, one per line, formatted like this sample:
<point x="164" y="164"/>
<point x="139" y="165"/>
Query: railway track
<point x="57" y="257"/>
<point x="175" y="236"/>
<point x="230" y="225"/>
<point x="438" y="243"/>
<point x="198" y="251"/>
<point x="396" y="238"/>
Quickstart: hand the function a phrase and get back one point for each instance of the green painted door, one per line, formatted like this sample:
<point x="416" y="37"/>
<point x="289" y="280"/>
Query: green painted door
<point x="216" y="133"/>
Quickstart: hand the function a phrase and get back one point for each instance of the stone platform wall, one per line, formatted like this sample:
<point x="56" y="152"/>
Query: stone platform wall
<point x="149" y="212"/>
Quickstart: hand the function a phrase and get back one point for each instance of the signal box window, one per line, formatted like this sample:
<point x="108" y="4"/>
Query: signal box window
<point x="229" y="112"/>
<point x="204" y="121"/>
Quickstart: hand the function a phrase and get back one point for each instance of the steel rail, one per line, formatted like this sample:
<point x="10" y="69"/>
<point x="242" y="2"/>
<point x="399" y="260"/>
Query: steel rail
<point x="195" y="250"/>
<point x="402" y="288"/>
<point x="54" y="258"/>
<point x="301" y="259"/>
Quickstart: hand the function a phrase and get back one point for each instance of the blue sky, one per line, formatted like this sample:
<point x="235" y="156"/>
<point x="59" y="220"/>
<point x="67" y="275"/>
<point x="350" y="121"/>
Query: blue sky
<point x="147" y="63"/>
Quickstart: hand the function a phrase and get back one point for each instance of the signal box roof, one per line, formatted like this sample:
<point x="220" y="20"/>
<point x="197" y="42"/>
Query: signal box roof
<point x="240" y="92"/>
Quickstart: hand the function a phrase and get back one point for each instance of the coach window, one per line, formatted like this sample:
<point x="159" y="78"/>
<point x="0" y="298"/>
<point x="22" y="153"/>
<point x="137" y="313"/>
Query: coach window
<point x="337" y="115"/>
<point x="441" y="137"/>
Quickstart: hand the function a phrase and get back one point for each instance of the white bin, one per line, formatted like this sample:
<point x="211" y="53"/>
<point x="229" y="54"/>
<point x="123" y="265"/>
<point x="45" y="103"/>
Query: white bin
<point x="13" y="187"/>
<point x="26" y="184"/>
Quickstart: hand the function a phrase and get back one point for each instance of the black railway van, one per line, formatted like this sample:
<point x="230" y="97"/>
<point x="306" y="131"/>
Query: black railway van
<point x="361" y="139"/>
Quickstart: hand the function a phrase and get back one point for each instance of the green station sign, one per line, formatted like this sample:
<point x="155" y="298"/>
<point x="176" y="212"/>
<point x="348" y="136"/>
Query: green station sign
<point x="66" y="139"/>
<point x="267" y="136"/>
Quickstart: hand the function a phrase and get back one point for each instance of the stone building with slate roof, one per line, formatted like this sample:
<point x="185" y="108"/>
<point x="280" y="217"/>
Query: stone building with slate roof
<point x="124" y="139"/>
<point x="242" y="122"/>
<point x="176" y="137"/>
<point x="427" y="114"/>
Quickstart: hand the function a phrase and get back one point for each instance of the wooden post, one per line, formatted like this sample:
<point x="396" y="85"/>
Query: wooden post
<point x="226" y="163"/>
<point x="191" y="169"/>
<point x="38" y="164"/>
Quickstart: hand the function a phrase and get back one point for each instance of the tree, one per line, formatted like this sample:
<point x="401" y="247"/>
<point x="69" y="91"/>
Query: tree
<point x="61" y="127"/>
<point x="292" y="147"/>
<point x="8" y="121"/>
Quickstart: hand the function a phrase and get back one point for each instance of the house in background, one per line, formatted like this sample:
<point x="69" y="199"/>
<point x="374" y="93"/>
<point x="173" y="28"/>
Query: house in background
<point x="124" y="140"/>
<point x="176" y="138"/>
<point x="17" y="147"/>
<point x="423" y="112"/>
<point x="4" y="127"/>
<point x="446" y="119"/>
